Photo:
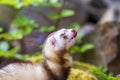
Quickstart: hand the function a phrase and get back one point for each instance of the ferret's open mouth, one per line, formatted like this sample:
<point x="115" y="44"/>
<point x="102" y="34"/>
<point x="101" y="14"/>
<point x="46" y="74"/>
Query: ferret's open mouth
<point x="74" y="33"/>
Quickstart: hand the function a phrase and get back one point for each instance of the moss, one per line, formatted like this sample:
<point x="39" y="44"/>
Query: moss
<point x="82" y="65"/>
<point x="77" y="74"/>
<point x="38" y="58"/>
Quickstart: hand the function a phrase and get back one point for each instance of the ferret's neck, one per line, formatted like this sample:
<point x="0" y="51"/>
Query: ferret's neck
<point x="61" y="58"/>
<point x="59" y="64"/>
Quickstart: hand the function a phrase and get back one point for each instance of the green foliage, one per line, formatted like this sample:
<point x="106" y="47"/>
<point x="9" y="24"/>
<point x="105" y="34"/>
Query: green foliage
<point x="21" y="56"/>
<point x="47" y="29"/>
<point x="26" y="2"/>
<point x="8" y="36"/>
<point x="1" y="29"/>
<point x="23" y="3"/>
<point x="16" y="34"/>
<point x="53" y="3"/>
<point x="82" y="65"/>
<point x="8" y="53"/>
<point x="24" y="24"/>
<point x="21" y="27"/>
<point x="23" y="21"/>
<point x="67" y="13"/>
<point x="62" y="14"/>
<point x="39" y="2"/>
<point x="79" y="48"/>
<point x="4" y="45"/>
<point x="74" y="26"/>
<point x="54" y="16"/>
<point x="86" y="47"/>
<point x="16" y="3"/>
<point x="100" y="72"/>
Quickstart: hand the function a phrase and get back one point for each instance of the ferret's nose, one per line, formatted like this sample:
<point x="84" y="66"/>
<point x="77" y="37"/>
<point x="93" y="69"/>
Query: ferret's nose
<point x="74" y="33"/>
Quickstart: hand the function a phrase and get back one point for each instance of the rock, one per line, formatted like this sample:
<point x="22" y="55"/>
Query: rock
<point x="118" y="75"/>
<point x="105" y="39"/>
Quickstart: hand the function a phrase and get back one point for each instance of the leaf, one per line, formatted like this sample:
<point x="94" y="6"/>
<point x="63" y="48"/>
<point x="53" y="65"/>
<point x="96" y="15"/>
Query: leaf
<point x="27" y="30"/>
<point x="12" y="52"/>
<point x="23" y="21"/>
<point x="74" y="26"/>
<point x="24" y="26"/>
<point x="4" y="45"/>
<point x="86" y="47"/>
<point x="67" y="13"/>
<point x="75" y="49"/>
<point x="79" y="38"/>
<point x="63" y="13"/>
<point x="6" y="36"/>
<point x="54" y="16"/>
<point x="39" y="3"/>
<point x="54" y="3"/>
<point x="43" y="29"/>
<point x="1" y="29"/>
<point x="101" y="75"/>
<point x="15" y="3"/>
<point x="27" y="2"/>
<point x="16" y="34"/>
<point x="47" y="29"/>
<point x="1" y="53"/>
<point x="23" y="57"/>
<point x="23" y="3"/>
<point x="51" y="28"/>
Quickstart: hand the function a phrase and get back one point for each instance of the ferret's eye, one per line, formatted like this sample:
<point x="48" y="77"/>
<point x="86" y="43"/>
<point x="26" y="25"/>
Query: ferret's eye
<point x="63" y="36"/>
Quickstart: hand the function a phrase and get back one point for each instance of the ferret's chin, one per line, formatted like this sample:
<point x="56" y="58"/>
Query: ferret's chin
<point x="72" y="42"/>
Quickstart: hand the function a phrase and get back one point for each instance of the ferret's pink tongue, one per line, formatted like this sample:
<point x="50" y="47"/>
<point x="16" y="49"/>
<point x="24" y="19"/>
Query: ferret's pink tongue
<point x="74" y="33"/>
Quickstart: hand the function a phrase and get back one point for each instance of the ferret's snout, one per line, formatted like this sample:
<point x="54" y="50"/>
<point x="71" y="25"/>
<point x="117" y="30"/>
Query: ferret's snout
<point x="74" y="33"/>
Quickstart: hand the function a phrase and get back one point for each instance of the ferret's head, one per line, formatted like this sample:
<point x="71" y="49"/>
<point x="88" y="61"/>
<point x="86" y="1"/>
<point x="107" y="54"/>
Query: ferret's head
<point x="61" y="39"/>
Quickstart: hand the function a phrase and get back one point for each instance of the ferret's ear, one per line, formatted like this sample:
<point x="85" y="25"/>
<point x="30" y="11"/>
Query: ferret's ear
<point x="53" y="41"/>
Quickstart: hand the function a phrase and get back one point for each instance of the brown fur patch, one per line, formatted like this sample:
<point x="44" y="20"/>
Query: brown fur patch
<point x="52" y="76"/>
<point x="59" y="57"/>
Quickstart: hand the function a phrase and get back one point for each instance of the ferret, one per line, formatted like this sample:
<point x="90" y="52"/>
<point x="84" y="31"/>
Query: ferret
<point x="55" y="65"/>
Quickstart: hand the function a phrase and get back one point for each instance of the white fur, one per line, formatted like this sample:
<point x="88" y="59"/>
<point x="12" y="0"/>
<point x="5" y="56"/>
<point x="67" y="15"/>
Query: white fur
<point x="23" y="72"/>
